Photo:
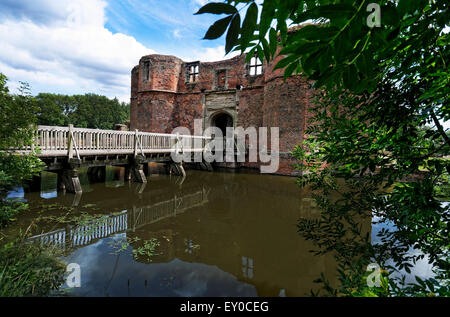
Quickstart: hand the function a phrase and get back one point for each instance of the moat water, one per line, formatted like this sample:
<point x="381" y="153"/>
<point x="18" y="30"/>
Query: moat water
<point x="211" y="234"/>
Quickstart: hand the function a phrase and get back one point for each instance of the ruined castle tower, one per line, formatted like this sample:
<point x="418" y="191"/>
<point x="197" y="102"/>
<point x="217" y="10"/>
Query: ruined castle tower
<point x="167" y="93"/>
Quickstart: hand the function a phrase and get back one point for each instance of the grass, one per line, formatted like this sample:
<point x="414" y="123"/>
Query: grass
<point x="28" y="269"/>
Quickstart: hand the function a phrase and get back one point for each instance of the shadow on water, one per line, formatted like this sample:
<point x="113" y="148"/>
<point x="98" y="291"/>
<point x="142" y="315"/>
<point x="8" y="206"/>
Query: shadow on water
<point x="210" y="234"/>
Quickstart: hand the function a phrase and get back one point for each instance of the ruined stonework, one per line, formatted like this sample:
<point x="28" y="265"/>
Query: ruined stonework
<point x="167" y="93"/>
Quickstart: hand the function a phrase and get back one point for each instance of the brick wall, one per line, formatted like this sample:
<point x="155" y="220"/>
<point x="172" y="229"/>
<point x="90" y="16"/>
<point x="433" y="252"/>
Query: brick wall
<point x="167" y="99"/>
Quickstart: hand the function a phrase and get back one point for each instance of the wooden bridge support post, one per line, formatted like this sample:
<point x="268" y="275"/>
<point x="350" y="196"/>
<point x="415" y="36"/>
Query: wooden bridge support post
<point x="137" y="170"/>
<point x="70" y="181"/>
<point x="177" y="169"/>
<point x="137" y="174"/>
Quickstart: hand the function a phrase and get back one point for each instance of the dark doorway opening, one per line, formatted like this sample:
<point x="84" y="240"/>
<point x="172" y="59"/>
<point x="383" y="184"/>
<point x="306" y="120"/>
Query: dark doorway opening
<point x="222" y="121"/>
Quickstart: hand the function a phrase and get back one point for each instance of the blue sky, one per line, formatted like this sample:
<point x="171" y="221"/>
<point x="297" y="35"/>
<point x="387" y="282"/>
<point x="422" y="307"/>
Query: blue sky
<point x="90" y="46"/>
<point x="169" y="27"/>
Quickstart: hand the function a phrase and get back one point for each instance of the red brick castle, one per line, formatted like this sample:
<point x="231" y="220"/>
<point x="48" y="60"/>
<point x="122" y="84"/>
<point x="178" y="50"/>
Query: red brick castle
<point x="167" y="93"/>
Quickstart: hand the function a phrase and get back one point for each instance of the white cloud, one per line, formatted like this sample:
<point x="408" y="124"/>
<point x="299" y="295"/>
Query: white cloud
<point x="71" y="52"/>
<point x="177" y="33"/>
<point x="63" y="47"/>
<point x="209" y="54"/>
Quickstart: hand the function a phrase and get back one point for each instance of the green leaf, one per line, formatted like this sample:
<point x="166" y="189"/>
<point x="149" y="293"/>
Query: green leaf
<point x="363" y="65"/>
<point x="315" y="33"/>
<point x="410" y="6"/>
<point x="286" y="61"/>
<point x="327" y="78"/>
<point x="218" y="28"/>
<point x="273" y="37"/>
<point x="325" y="60"/>
<point x="290" y="70"/>
<point x="342" y="46"/>
<point x="389" y="16"/>
<point x="282" y="27"/>
<point x="420" y="281"/>
<point x="333" y="11"/>
<point x="303" y="48"/>
<point x="233" y="33"/>
<point x="266" y="48"/>
<point x="310" y="63"/>
<point x="249" y="25"/>
<point x="217" y="8"/>
<point x="260" y="53"/>
<point x="250" y="54"/>
<point x="267" y="16"/>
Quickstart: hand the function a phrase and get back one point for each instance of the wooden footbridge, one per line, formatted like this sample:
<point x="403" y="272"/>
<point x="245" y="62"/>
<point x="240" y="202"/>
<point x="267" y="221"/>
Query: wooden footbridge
<point x="66" y="149"/>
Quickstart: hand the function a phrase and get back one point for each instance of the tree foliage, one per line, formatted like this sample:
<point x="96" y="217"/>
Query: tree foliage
<point x="17" y="124"/>
<point x="83" y="111"/>
<point x="376" y="136"/>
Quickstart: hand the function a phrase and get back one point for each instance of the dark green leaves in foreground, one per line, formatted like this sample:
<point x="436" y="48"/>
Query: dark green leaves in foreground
<point x="218" y="28"/>
<point x="376" y="122"/>
<point x="335" y="45"/>
<point x="217" y="8"/>
<point x="232" y="22"/>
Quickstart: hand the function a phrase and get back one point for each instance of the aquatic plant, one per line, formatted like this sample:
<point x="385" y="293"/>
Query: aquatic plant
<point x="148" y="249"/>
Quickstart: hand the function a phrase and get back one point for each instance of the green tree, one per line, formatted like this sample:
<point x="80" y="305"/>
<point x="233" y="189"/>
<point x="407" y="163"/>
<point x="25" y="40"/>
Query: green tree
<point x="84" y="111"/>
<point x="25" y="269"/>
<point x="382" y="95"/>
<point x="54" y="109"/>
<point x="17" y="124"/>
<point x="94" y="111"/>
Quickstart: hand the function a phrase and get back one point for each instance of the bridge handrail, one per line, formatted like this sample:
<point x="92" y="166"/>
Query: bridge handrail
<point x="58" y="140"/>
<point x="60" y="128"/>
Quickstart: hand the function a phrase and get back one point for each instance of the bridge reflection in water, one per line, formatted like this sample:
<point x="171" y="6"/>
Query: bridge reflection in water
<point x="82" y="235"/>
<point x="220" y="234"/>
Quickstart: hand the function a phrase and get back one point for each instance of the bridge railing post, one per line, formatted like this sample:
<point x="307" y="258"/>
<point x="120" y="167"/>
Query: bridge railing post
<point x="70" y="142"/>
<point x="136" y="136"/>
<point x="98" y="140"/>
<point x="34" y="140"/>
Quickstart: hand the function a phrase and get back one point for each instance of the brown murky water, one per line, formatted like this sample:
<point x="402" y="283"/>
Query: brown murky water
<point x="213" y="234"/>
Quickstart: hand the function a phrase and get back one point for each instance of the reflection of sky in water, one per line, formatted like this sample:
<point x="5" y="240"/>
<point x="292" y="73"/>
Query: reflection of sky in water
<point x="16" y="194"/>
<point x="422" y="268"/>
<point x="104" y="273"/>
<point x="49" y="194"/>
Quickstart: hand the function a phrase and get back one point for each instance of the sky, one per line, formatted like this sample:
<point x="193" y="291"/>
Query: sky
<point x="90" y="46"/>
